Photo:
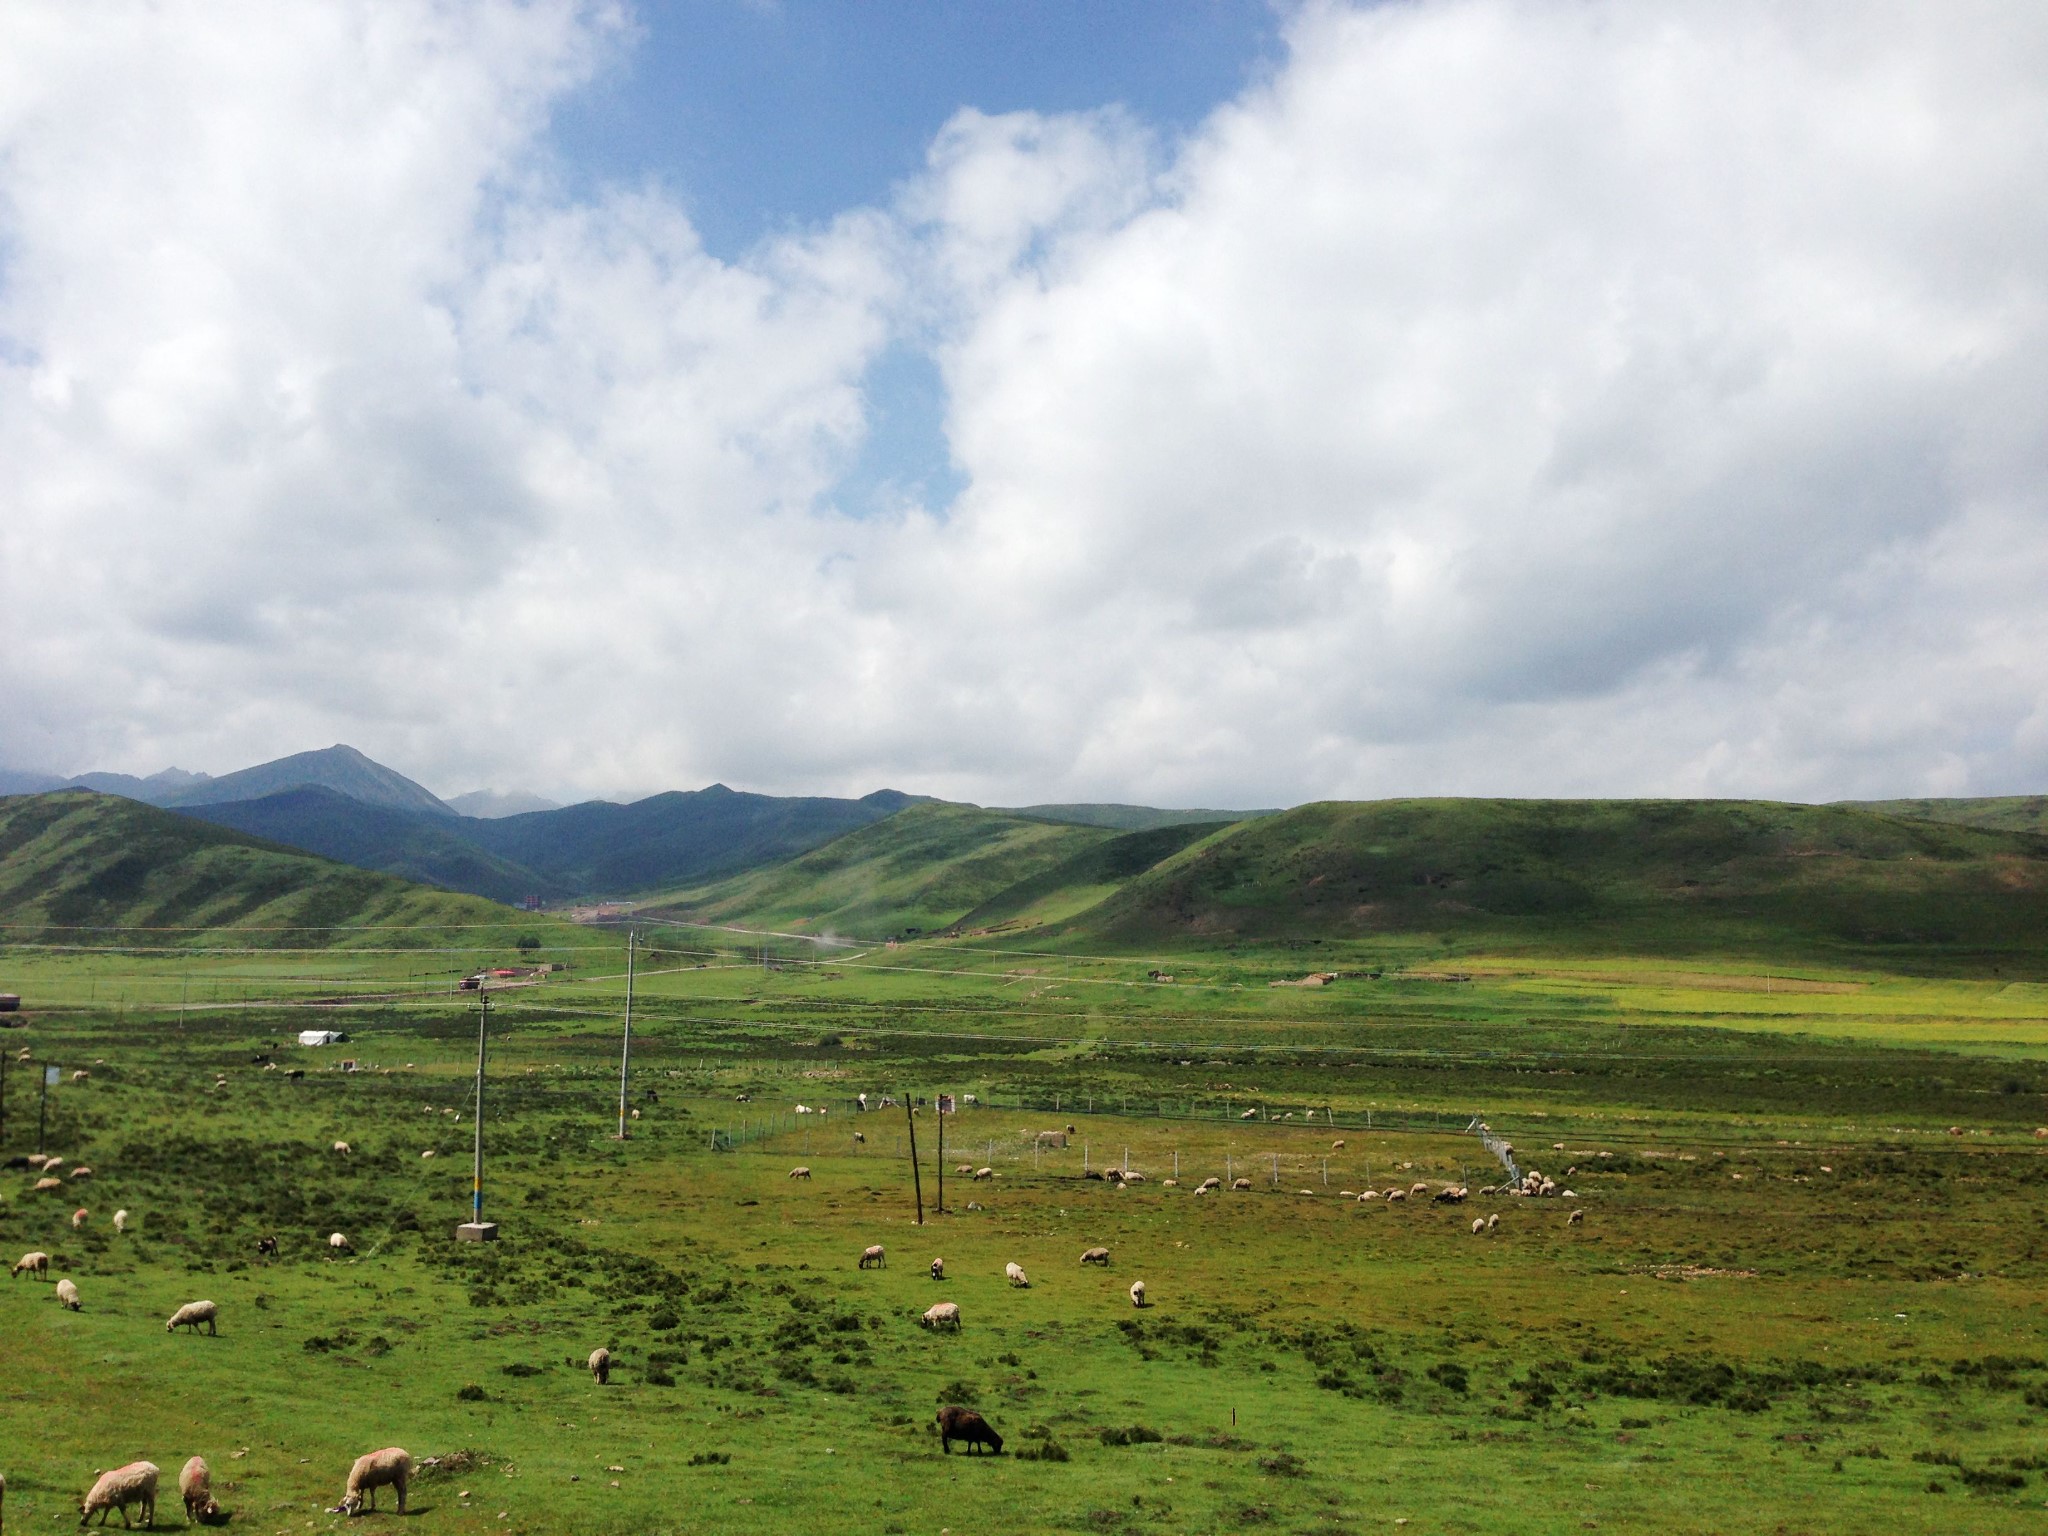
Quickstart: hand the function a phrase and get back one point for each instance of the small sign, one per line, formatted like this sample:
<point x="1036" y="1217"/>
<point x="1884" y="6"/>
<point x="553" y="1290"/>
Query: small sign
<point x="50" y="1077"/>
<point x="945" y="1104"/>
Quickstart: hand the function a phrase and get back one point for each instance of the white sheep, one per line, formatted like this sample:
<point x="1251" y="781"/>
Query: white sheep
<point x="1096" y="1256"/>
<point x="1396" y="1194"/>
<point x="67" y="1295"/>
<point x="1016" y="1276"/>
<point x="1575" y="1218"/>
<point x="81" y="1173"/>
<point x="1493" y="1221"/>
<point x="428" y="1153"/>
<point x="984" y="1173"/>
<point x="341" y="1149"/>
<point x="192" y="1314"/>
<point x="1370" y="1194"/>
<point x="80" y="1075"/>
<point x="1134" y="1178"/>
<point x="874" y="1256"/>
<point x="799" y="1173"/>
<point x="938" y="1269"/>
<point x="1337" y="1145"/>
<point x="942" y="1314"/>
<point x="1418" y="1188"/>
<point x="1478" y="1225"/>
<point x="600" y="1363"/>
<point x="338" y="1243"/>
<point x="45" y="1184"/>
<point x="1137" y="1293"/>
<point x="132" y="1484"/>
<point x="388" y="1468"/>
<point x="78" y="1218"/>
<point x="121" y="1221"/>
<point x="1212" y="1182"/>
<point x="37" y="1264"/>
<point x="195" y="1486"/>
<point x="1240" y="1183"/>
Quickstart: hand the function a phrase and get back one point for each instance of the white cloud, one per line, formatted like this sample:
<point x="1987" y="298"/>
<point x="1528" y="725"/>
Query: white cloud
<point x="1505" y="397"/>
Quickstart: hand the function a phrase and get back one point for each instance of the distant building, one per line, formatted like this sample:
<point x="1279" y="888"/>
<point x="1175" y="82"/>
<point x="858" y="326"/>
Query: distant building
<point x="322" y="1037"/>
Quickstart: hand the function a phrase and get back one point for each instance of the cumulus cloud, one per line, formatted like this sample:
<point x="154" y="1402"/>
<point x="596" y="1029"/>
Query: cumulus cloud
<point x="1502" y="397"/>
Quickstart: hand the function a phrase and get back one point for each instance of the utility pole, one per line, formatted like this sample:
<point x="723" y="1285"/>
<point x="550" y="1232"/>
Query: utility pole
<point x="3" y="1098"/>
<point x="940" y="1164"/>
<point x="43" y="1106"/>
<point x="916" y="1179"/>
<point x="626" y="1049"/>
<point x="476" y="1229"/>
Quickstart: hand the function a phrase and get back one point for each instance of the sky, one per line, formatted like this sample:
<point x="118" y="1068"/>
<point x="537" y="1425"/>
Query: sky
<point x="1194" y="404"/>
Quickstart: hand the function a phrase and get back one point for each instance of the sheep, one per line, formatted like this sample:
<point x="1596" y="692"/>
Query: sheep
<point x="341" y="1149"/>
<point x="1212" y="1182"/>
<point x="860" y="1138"/>
<point x="601" y="1366"/>
<point x="1493" y="1221"/>
<point x="1240" y="1183"/>
<point x="67" y="1295"/>
<point x="1451" y="1194"/>
<point x="81" y="1173"/>
<point x="963" y="1168"/>
<point x="938" y="1269"/>
<point x="984" y="1173"/>
<point x="957" y="1423"/>
<point x="78" y="1218"/>
<point x="1370" y="1194"/>
<point x="195" y="1486"/>
<point x="1250" y="1114"/>
<point x="799" y="1173"/>
<point x="80" y="1075"/>
<point x="132" y="1484"/>
<point x="873" y="1257"/>
<point x="1014" y="1273"/>
<point x="388" y="1468"/>
<point x="192" y="1314"/>
<point x="1138" y="1293"/>
<point x="338" y="1243"/>
<point x="943" y="1314"/>
<point x="1575" y="1219"/>
<point x="1418" y="1188"/>
<point x="48" y="1184"/>
<point x="1337" y="1145"/>
<point x="428" y="1153"/>
<point x="1396" y="1194"/>
<point x="121" y="1221"/>
<point x="1096" y="1256"/>
<point x="266" y="1247"/>
<point x="1478" y="1225"/>
<point x="1133" y="1178"/>
<point x="37" y="1264"/>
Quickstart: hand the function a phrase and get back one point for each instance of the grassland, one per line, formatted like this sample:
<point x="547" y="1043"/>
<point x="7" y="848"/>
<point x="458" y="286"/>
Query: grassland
<point x="1796" y="1299"/>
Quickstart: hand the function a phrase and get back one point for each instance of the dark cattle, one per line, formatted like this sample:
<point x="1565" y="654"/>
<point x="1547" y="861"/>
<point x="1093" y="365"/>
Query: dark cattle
<point x="1092" y="1173"/>
<point x="19" y="1160"/>
<point x="957" y="1423"/>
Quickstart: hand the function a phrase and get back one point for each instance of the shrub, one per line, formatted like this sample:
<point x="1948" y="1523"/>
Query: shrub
<point x="472" y="1393"/>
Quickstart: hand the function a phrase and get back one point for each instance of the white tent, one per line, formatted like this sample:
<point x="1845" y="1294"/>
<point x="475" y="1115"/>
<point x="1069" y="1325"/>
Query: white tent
<point x="321" y="1037"/>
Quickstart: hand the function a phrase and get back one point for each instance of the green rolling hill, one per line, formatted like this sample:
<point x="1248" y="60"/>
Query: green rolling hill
<point x="80" y="867"/>
<point x="919" y="871"/>
<point x="1640" y="876"/>
<point x="1999" y="813"/>
<point x="1093" y="875"/>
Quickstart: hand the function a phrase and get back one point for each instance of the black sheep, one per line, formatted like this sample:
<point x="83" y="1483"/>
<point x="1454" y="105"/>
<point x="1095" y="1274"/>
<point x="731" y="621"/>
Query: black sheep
<point x="957" y="1423"/>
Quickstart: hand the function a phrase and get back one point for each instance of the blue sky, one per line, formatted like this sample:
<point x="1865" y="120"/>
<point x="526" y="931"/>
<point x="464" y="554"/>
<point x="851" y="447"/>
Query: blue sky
<point x="763" y="117"/>
<point x="759" y="116"/>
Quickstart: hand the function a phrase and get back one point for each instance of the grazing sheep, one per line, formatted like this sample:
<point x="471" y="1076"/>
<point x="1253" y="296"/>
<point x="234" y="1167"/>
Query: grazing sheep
<point x="1418" y="1188"/>
<point x="121" y="1221"/>
<point x="1240" y="1183"/>
<point x="1014" y="1273"/>
<point x="943" y="1314"/>
<point x="388" y="1468"/>
<point x="37" y="1264"/>
<point x="132" y="1484"/>
<point x="1096" y="1256"/>
<point x="1133" y="1178"/>
<point x="799" y="1173"/>
<point x="67" y="1295"/>
<point x="338" y="1243"/>
<point x="1337" y="1145"/>
<point x="1250" y="1114"/>
<point x="192" y="1314"/>
<point x="957" y="1423"/>
<point x="1396" y="1194"/>
<point x="81" y="1173"/>
<point x="873" y="1257"/>
<point x="1370" y="1194"/>
<point x="601" y="1366"/>
<point x="938" y="1269"/>
<point x="342" y="1148"/>
<point x="195" y="1486"/>
<point x="1478" y="1225"/>
<point x="1212" y="1182"/>
<point x="963" y="1168"/>
<point x="1138" y="1293"/>
<point x="860" y="1138"/>
<point x="78" y="1218"/>
<point x="1451" y="1194"/>
<point x="984" y="1173"/>
<point x="48" y="1184"/>
<point x="80" y="1075"/>
<point x="1493" y="1221"/>
<point x="1052" y="1139"/>
<point x="1575" y="1218"/>
<point x="266" y="1247"/>
<point x="428" y="1153"/>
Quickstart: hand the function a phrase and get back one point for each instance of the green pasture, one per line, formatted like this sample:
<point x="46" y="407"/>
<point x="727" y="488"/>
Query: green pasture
<point x="1795" y="1299"/>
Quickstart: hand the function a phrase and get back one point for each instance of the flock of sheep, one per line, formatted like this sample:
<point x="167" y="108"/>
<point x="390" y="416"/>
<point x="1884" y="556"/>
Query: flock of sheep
<point x="946" y="1314"/>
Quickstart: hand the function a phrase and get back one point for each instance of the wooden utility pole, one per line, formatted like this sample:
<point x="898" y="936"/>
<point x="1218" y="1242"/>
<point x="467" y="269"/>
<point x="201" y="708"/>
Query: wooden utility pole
<point x="940" y="1208"/>
<point x="476" y="1229"/>
<point x="916" y="1179"/>
<point x="626" y="1047"/>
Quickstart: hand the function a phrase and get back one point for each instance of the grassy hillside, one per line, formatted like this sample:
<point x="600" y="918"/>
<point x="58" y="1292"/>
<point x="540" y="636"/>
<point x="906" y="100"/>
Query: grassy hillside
<point x="428" y="849"/>
<point x="1649" y="876"/>
<point x="1090" y="876"/>
<point x="1125" y="818"/>
<point x="922" y="869"/>
<point x="1999" y="813"/>
<point x="79" y="867"/>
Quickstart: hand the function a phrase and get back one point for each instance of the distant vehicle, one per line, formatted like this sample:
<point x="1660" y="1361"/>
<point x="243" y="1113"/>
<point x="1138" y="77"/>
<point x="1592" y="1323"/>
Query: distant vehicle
<point x="471" y="983"/>
<point x="504" y="971"/>
<point x="10" y="1002"/>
